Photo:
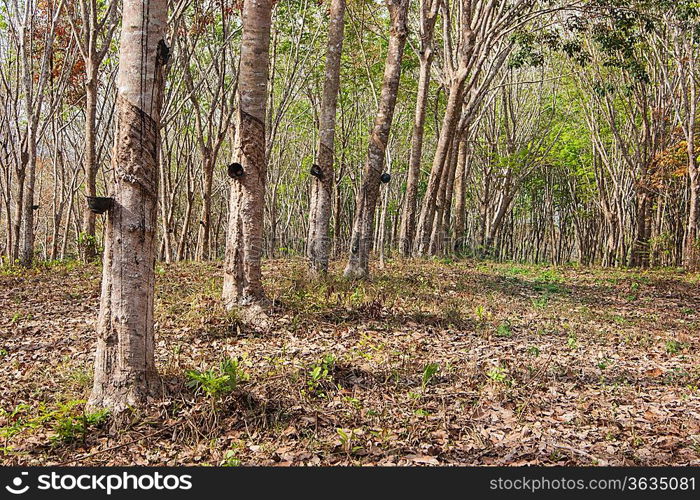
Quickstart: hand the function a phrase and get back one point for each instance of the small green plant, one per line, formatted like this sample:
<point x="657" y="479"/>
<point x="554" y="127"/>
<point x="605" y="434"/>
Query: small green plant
<point x="572" y="341"/>
<point x="353" y="402"/>
<point x="550" y="276"/>
<point x="675" y="376"/>
<point x="620" y="320"/>
<point x="319" y="375"/>
<point x="19" y="420"/>
<point x="673" y="347"/>
<point x="216" y="383"/>
<point x="70" y="428"/>
<point x="288" y="251"/>
<point x="65" y="421"/>
<point x="429" y="372"/>
<point x="504" y="329"/>
<point x="549" y="281"/>
<point x="480" y="313"/>
<point x="498" y="374"/>
<point x="3" y="353"/>
<point x="514" y="270"/>
<point x="230" y="459"/>
<point x="87" y="242"/>
<point x="347" y="439"/>
<point x="540" y="302"/>
<point x="85" y="239"/>
<point x="603" y="364"/>
<point x="533" y="350"/>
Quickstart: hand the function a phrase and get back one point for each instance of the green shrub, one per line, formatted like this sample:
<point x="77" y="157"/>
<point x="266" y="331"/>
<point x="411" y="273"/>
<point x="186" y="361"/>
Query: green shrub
<point x="70" y="428"/>
<point x="318" y="376"/>
<point x="217" y="382"/>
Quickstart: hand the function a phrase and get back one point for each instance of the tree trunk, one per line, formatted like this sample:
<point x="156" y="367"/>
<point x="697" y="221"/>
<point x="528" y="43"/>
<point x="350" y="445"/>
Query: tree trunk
<point x="691" y="249"/>
<point x="408" y="216"/>
<point x="27" y="220"/>
<point x="460" y="197"/>
<point x="182" y="244"/>
<point x="88" y="248"/>
<point x="443" y="242"/>
<point x="497" y="222"/>
<point x="318" y="243"/>
<point x="125" y="371"/>
<point x="336" y="216"/>
<point x="437" y="234"/>
<point x="427" y="216"/>
<point x="20" y="174"/>
<point x="639" y="256"/>
<point x="691" y="257"/>
<point x="244" y="245"/>
<point x="204" y="233"/>
<point x="363" y="224"/>
<point x="408" y="221"/>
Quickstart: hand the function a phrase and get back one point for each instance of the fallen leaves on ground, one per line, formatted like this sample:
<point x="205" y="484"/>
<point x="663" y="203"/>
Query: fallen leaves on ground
<point x="429" y="363"/>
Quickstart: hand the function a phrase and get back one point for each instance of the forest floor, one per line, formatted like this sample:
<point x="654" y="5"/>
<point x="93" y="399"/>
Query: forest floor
<point x="431" y="362"/>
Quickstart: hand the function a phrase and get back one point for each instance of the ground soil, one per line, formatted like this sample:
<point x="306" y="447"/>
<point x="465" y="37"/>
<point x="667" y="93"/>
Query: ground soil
<point x="430" y="362"/>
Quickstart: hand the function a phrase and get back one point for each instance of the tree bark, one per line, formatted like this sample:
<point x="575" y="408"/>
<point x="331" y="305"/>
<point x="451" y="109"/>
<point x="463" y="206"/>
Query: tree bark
<point x="26" y="255"/>
<point x="408" y="217"/>
<point x="424" y="230"/>
<point x="438" y="232"/>
<point x="125" y="371"/>
<point x="244" y="245"/>
<point x="363" y="224"/>
<point x="691" y="257"/>
<point x="639" y="256"/>
<point x="318" y="243"/>
<point x="460" y="197"/>
<point x="691" y="247"/>
<point x="88" y="242"/>
<point x="449" y="194"/>
<point x="204" y="233"/>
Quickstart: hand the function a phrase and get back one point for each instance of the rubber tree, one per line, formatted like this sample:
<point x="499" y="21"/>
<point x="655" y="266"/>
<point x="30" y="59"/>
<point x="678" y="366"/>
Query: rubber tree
<point x="458" y="63"/>
<point x="244" y="242"/>
<point x="477" y="40"/>
<point x="366" y="202"/>
<point x="125" y="371"/>
<point x="318" y="243"/>
<point x="92" y="26"/>
<point x="428" y="16"/>
<point x="32" y="77"/>
<point x="212" y="98"/>
<point x="685" y="53"/>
